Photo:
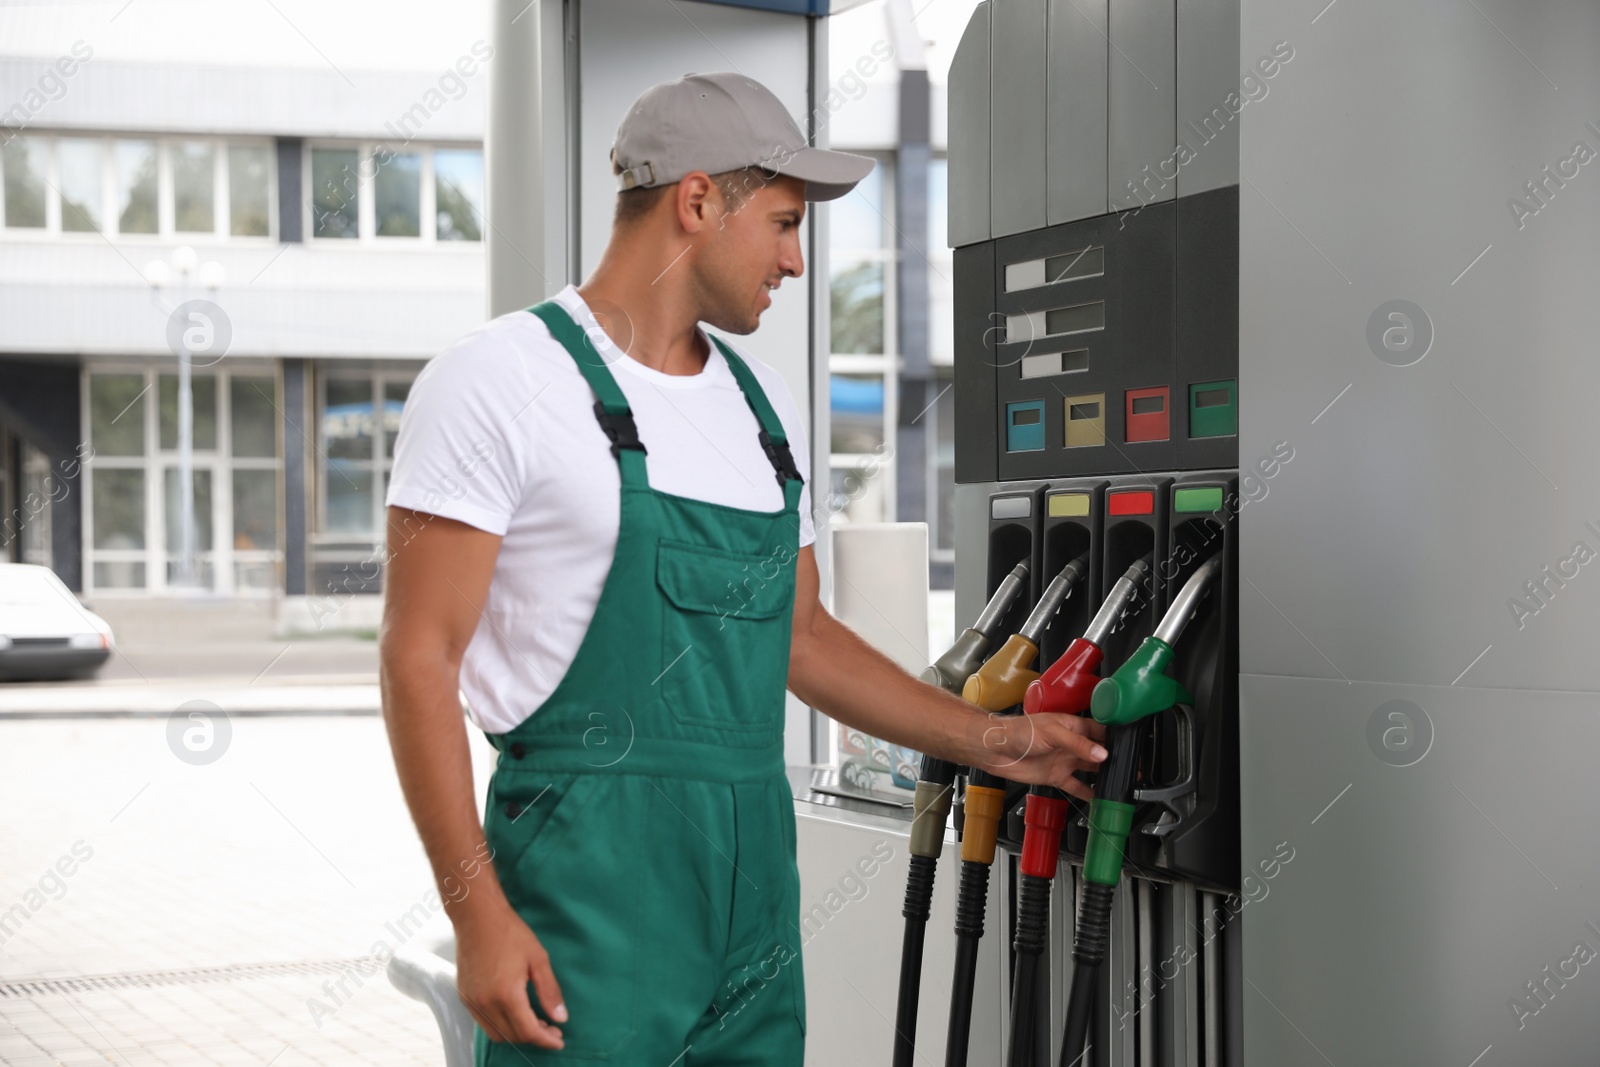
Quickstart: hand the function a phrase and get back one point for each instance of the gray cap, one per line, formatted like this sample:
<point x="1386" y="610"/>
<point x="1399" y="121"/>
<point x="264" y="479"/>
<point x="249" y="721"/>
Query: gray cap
<point x="721" y="122"/>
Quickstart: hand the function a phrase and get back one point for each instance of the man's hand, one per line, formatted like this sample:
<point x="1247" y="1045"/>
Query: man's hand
<point x="496" y="957"/>
<point x="1045" y="749"/>
<point x="835" y="671"/>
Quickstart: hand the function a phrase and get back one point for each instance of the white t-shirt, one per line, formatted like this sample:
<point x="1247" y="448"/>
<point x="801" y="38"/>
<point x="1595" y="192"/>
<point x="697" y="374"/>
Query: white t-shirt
<point x="499" y="432"/>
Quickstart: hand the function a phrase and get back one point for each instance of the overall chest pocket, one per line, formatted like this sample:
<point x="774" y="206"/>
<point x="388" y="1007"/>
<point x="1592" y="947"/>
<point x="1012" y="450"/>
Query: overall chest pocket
<point x="725" y="637"/>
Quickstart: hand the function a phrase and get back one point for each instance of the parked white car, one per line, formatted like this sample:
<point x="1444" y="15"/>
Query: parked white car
<point x="45" y="633"/>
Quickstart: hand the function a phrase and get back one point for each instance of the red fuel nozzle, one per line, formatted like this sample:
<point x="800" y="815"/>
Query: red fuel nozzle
<point x="1064" y="689"/>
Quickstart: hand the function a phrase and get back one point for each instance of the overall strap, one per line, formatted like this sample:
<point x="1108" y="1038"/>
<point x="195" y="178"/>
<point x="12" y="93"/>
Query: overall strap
<point x="611" y="409"/>
<point x="774" y="441"/>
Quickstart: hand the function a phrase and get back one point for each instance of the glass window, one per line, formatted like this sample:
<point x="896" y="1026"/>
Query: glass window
<point x="194" y="187"/>
<point x="82" y="162"/>
<point x="394" y="402"/>
<point x="938" y="205"/>
<point x="136" y="187"/>
<point x="397" y="196"/>
<point x="202" y="510"/>
<point x="856" y="299"/>
<point x="254" y="416"/>
<point x="118" y="574"/>
<point x="458" y="177"/>
<point x="856" y="403"/>
<point x="859" y="219"/>
<point x="249" y="187"/>
<point x="118" y="508"/>
<point x="204" y="394"/>
<point x="347" y="419"/>
<point x="255" y="510"/>
<point x="349" y="498"/>
<point x="944" y="467"/>
<point x="25" y="167"/>
<point x="116" y="414"/>
<point x="333" y="193"/>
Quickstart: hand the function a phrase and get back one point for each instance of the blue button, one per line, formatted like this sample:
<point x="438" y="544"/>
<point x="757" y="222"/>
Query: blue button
<point x="1025" y="426"/>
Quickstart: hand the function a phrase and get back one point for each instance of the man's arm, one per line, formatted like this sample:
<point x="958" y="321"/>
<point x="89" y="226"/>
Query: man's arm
<point x="435" y="587"/>
<point x="835" y="671"/>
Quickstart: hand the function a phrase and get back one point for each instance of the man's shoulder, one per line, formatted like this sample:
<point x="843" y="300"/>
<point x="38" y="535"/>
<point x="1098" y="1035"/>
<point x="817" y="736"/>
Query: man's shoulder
<point x="771" y="381"/>
<point x="516" y="345"/>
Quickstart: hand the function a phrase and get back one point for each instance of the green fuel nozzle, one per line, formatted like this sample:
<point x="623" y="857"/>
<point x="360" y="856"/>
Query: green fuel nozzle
<point x="1141" y="687"/>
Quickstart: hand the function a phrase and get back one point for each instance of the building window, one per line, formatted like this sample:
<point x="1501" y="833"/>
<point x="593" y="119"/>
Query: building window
<point x="249" y="190"/>
<point x="458" y="179"/>
<point x="132" y="485"/>
<point x="368" y="192"/>
<point x="863" y="356"/>
<point x="358" y="416"/>
<point x="335" y="194"/>
<point x="397" y="196"/>
<point x="194" y="171"/>
<point x="26" y="164"/>
<point x="82" y="169"/>
<point x="181" y="189"/>
<point x="138" y="187"/>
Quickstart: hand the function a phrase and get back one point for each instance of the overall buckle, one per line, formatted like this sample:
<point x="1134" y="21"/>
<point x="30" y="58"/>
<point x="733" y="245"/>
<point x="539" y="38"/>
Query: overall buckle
<point x="620" y="429"/>
<point x="782" y="459"/>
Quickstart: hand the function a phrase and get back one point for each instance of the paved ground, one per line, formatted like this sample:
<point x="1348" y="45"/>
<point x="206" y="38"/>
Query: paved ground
<point x="214" y="900"/>
<point x="212" y="909"/>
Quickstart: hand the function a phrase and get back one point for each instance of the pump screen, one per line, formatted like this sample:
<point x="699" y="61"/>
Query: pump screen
<point x="1073" y="319"/>
<point x="1084" y="411"/>
<point x="1213" y="398"/>
<point x="1084" y="263"/>
<point x="1149" y="405"/>
<point x="1025" y="417"/>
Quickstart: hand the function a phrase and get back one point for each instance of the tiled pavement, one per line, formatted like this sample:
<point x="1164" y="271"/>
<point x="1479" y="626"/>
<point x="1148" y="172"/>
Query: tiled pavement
<point x="293" y="851"/>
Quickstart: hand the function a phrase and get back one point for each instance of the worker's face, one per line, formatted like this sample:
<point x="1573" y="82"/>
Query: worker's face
<point x="754" y="244"/>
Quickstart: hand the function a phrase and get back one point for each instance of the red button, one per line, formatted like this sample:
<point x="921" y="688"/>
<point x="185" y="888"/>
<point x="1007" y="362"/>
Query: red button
<point x="1132" y="503"/>
<point x="1146" y="417"/>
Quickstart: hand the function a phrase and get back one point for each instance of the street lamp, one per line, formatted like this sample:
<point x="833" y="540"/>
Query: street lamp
<point x="184" y="260"/>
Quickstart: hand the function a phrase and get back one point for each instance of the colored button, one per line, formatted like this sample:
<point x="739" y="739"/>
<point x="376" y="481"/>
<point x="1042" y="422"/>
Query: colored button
<point x="1197" y="499"/>
<point x="1214" y="409"/>
<point x="1131" y="503"/>
<point x="1025" y="426"/>
<point x="1086" y="420"/>
<point x="1063" y="505"/>
<point x="1147" y="416"/>
<point x="518" y="750"/>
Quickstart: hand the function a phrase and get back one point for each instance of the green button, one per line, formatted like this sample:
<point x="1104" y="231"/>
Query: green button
<point x="1197" y="499"/>
<point x="1214" y="409"/>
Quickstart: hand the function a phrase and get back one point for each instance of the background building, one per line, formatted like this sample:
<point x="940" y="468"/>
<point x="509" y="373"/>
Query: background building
<point x="330" y="217"/>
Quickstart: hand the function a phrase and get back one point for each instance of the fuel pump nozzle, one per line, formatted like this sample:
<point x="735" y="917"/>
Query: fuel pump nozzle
<point x="931" y="806"/>
<point x="1063" y="689"/>
<point x="996" y="686"/>
<point x="1138" y="689"/>
<point x="1002" y="681"/>
<point x="1141" y="686"/>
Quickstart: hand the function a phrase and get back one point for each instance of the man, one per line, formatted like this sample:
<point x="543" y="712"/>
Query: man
<point x="600" y="535"/>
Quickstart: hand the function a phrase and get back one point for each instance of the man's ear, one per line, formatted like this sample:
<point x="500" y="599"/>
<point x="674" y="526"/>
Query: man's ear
<point x="698" y="206"/>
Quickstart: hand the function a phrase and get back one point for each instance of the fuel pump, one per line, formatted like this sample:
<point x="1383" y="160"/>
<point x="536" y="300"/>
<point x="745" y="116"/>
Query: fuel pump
<point x="996" y="686"/>
<point x="931" y="807"/>
<point x="1063" y="689"/>
<point x="1136" y="690"/>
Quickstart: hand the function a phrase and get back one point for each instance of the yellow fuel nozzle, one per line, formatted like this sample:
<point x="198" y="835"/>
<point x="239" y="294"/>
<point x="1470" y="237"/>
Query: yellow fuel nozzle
<point x="1001" y="682"/>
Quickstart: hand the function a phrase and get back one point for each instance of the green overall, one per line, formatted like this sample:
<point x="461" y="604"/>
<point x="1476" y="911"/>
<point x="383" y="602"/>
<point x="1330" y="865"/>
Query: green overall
<point x="641" y="821"/>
